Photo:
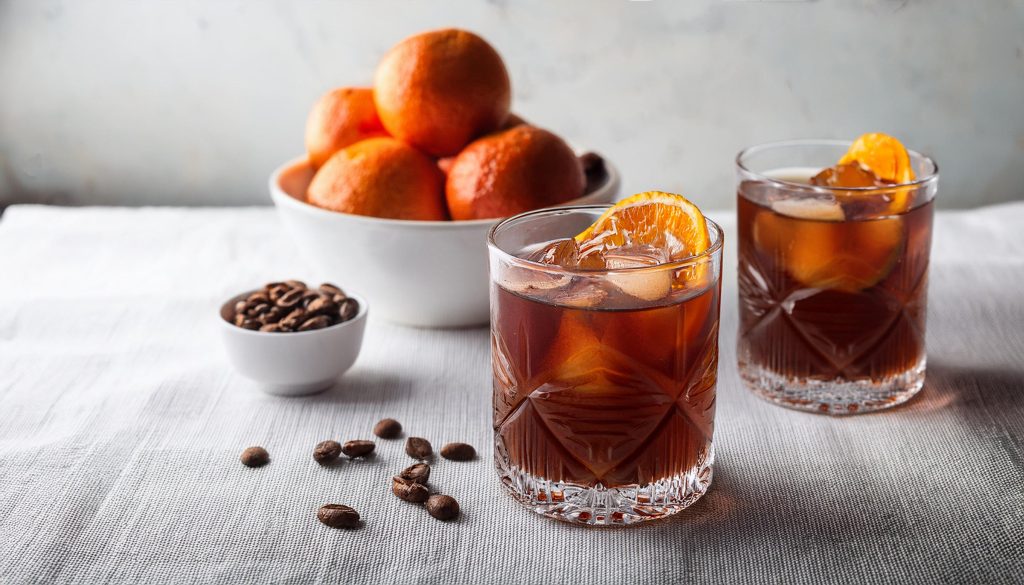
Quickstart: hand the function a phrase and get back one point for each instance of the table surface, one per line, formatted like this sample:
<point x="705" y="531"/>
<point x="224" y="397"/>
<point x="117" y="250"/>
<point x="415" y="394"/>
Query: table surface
<point x="121" y="424"/>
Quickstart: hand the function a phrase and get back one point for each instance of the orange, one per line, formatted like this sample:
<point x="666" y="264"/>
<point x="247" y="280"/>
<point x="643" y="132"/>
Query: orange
<point x="439" y="90"/>
<point x="513" y="171"/>
<point x="883" y="154"/>
<point x="341" y="117"/>
<point x="380" y="177"/>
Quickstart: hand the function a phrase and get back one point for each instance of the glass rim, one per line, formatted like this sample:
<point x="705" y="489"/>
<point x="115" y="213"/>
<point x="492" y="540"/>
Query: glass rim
<point x="713" y="249"/>
<point x="750" y="150"/>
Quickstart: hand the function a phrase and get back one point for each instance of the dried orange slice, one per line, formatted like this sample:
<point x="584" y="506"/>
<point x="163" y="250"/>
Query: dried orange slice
<point x="661" y="220"/>
<point x="884" y="155"/>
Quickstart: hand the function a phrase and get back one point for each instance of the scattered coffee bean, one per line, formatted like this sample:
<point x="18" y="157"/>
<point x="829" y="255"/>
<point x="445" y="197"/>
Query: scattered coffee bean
<point x="458" y="451"/>
<point x="338" y="516"/>
<point x="255" y="457"/>
<point x="442" y="507"/>
<point x="293" y="307"/>
<point x="387" y="428"/>
<point x="326" y="452"/>
<point x="358" y="448"/>
<point x="418" y="473"/>
<point x="418" y="448"/>
<point x="409" y="491"/>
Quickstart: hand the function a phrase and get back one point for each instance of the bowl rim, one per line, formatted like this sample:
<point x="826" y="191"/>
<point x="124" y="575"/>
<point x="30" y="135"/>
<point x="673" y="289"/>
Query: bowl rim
<point x="364" y="308"/>
<point x="280" y="197"/>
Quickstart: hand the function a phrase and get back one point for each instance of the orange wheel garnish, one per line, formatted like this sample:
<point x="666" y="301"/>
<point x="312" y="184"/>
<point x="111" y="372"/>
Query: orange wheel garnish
<point x="883" y="154"/>
<point x="663" y="220"/>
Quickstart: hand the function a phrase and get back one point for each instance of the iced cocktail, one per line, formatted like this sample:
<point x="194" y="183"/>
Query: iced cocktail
<point x="605" y="353"/>
<point x="833" y="272"/>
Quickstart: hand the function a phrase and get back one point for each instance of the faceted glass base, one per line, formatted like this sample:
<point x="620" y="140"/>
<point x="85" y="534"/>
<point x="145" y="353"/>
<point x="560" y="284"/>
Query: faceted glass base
<point x="604" y="506"/>
<point x="836" y="397"/>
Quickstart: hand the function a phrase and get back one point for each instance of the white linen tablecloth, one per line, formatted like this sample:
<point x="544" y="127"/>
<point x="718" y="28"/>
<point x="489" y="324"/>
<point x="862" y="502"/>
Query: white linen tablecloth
<point x="121" y="424"/>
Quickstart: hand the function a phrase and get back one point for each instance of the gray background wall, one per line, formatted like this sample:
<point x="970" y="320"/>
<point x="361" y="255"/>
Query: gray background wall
<point x="193" y="103"/>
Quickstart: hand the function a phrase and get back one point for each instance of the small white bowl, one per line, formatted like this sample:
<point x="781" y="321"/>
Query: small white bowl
<point x="420" y="273"/>
<point x="293" y="364"/>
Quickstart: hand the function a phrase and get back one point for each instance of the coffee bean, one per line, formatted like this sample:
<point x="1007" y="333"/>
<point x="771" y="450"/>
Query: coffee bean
<point x="273" y="315"/>
<point x="255" y="457"/>
<point x="338" y="516"/>
<point x="409" y="491"/>
<point x="294" y="318"/>
<point x="309" y="296"/>
<point x="252" y="324"/>
<point x="387" y="428"/>
<point x="275" y="290"/>
<point x="239" y="319"/>
<point x="290" y="298"/>
<point x="418" y="473"/>
<point x="358" y="448"/>
<point x="257" y="310"/>
<point x="418" y="448"/>
<point x="271" y="328"/>
<point x="315" y="323"/>
<point x="458" y="451"/>
<point x="321" y="306"/>
<point x="331" y="290"/>
<point x="241" y="307"/>
<point x="348" y="309"/>
<point x="257" y="297"/>
<point x="326" y="452"/>
<point x="296" y="284"/>
<point x="442" y="507"/>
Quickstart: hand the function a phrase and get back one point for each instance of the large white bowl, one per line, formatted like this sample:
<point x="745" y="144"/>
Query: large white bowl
<point x="421" y="273"/>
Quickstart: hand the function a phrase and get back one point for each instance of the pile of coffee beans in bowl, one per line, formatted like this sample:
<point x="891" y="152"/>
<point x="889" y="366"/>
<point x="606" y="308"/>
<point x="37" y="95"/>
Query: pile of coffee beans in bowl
<point x="291" y="306"/>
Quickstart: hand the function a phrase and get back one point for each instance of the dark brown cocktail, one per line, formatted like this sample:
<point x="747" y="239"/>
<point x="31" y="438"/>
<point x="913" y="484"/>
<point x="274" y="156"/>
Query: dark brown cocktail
<point x="833" y="278"/>
<point x="604" y="380"/>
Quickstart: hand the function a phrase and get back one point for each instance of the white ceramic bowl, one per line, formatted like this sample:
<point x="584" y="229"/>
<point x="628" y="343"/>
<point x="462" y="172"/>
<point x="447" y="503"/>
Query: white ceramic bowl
<point x="293" y="364"/>
<point x="420" y="273"/>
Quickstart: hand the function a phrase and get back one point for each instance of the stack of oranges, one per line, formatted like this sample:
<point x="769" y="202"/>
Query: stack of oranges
<point x="434" y="139"/>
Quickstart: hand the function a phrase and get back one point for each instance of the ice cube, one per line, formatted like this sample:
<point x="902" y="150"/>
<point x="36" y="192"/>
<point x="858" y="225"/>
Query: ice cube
<point x="564" y="253"/>
<point x="818" y="209"/>
<point x="647" y="285"/>
<point x="582" y="294"/>
<point x="851" y="174"/>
